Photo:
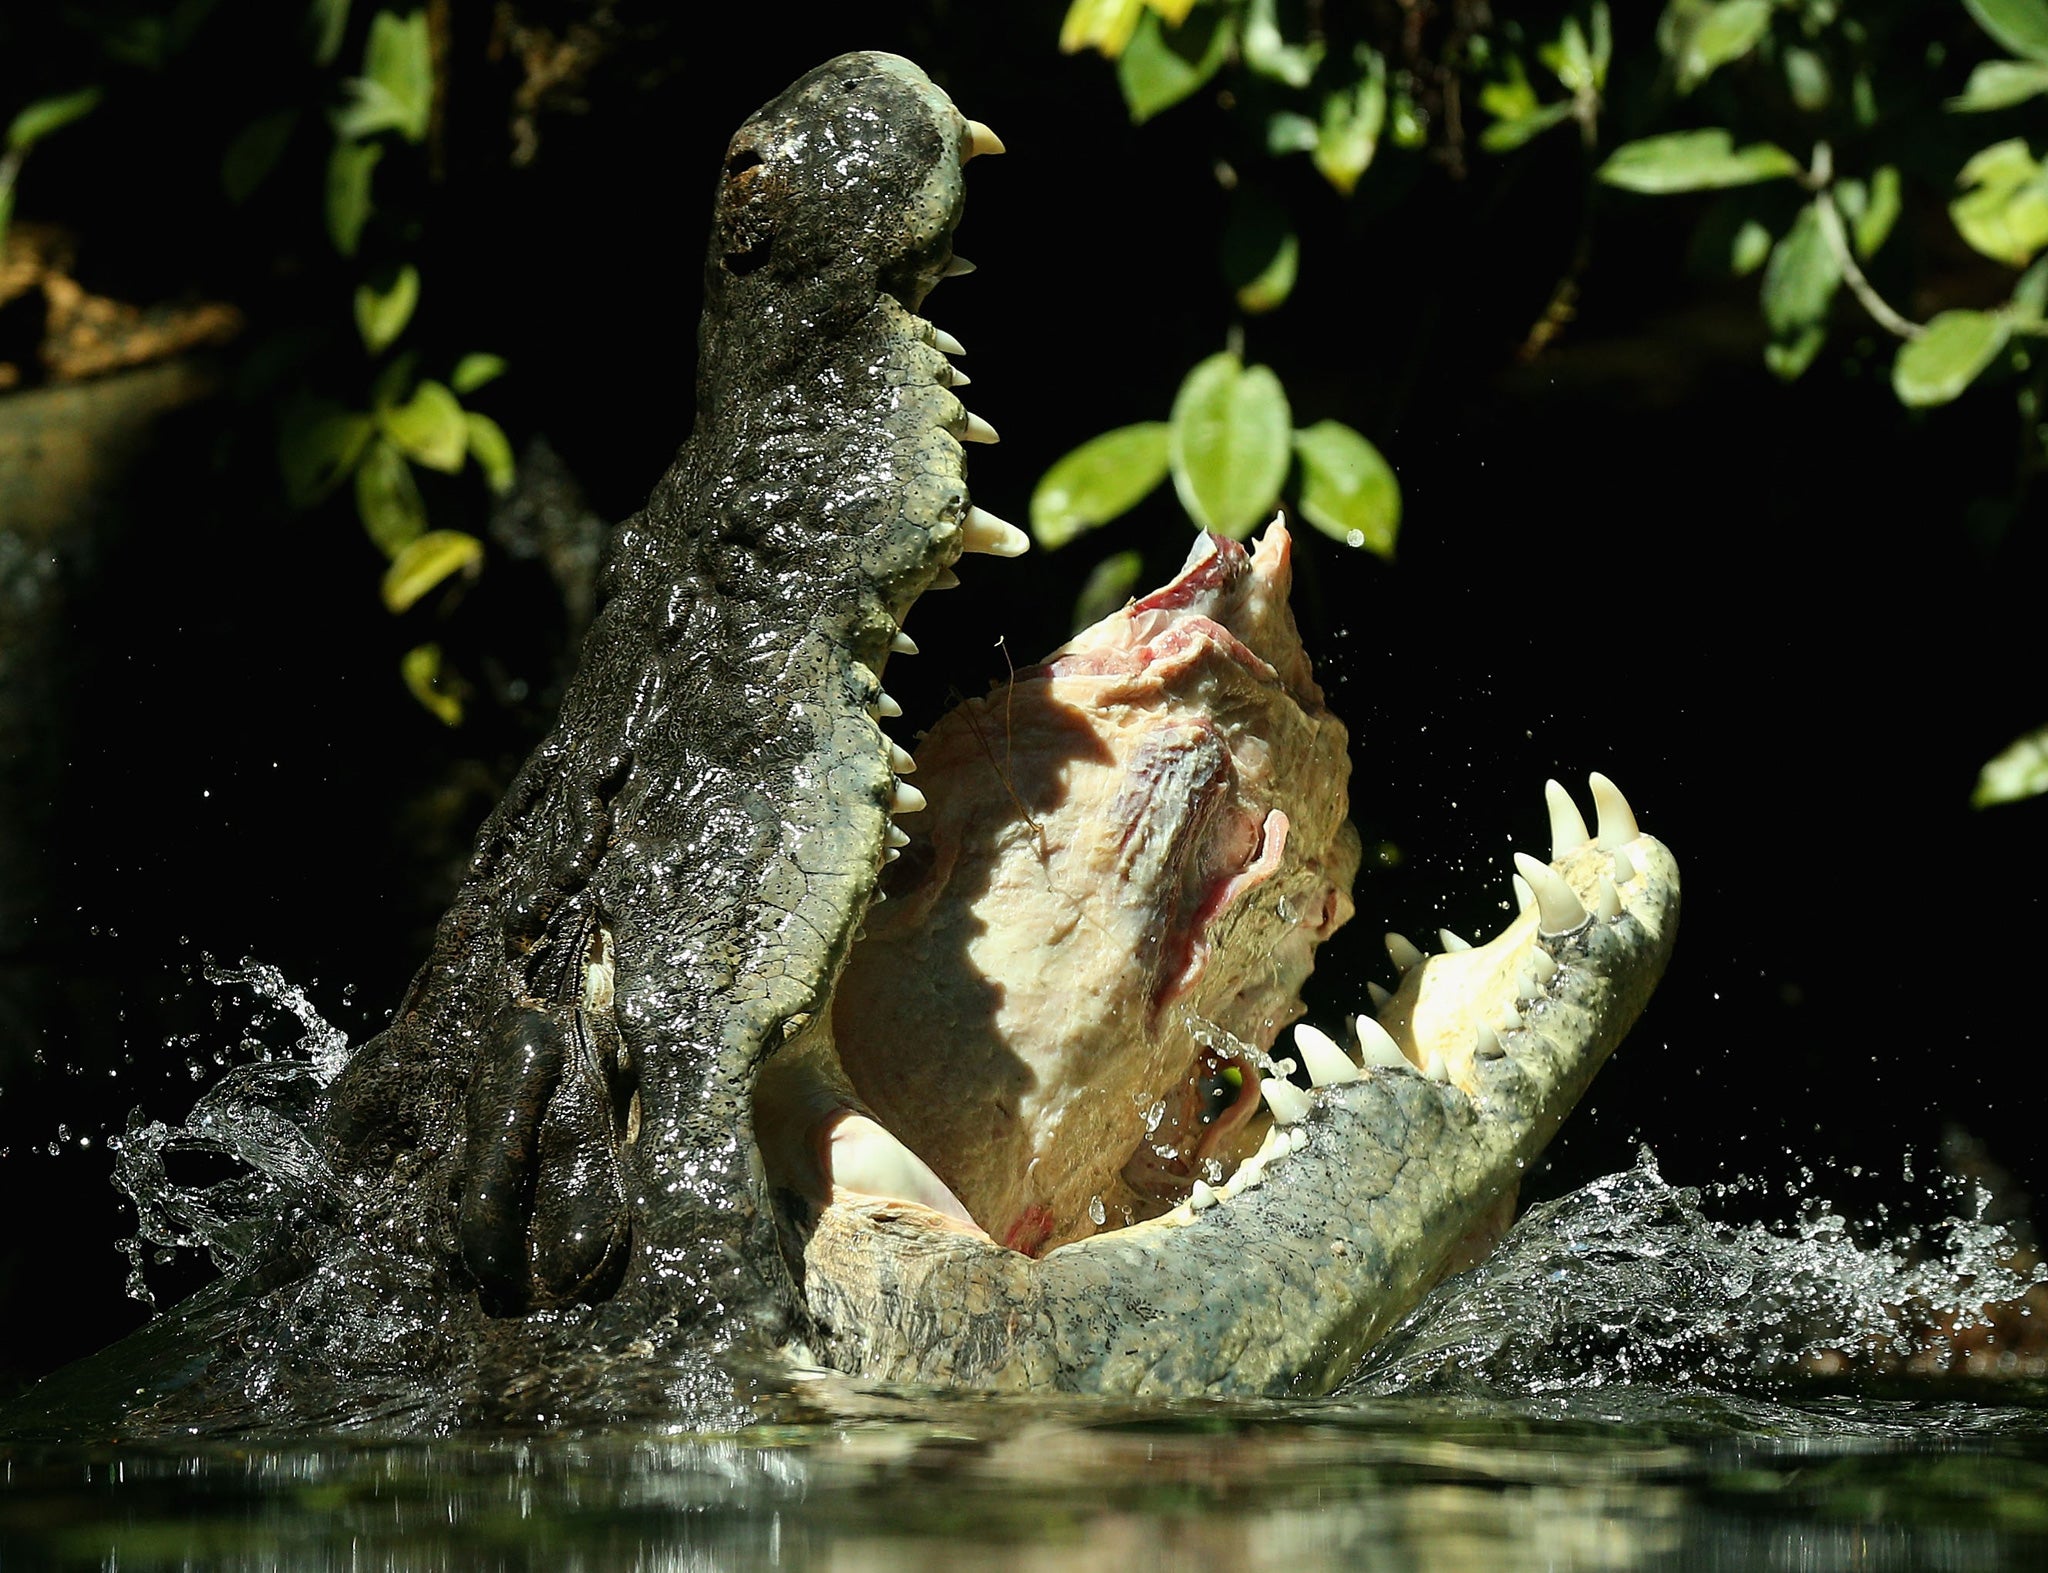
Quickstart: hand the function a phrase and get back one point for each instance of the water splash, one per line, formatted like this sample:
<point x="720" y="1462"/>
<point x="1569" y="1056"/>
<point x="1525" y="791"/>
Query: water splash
<point x="1629" y="1281"/>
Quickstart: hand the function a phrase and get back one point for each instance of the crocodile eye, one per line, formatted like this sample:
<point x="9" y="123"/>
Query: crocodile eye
<point x="1218" y="1091"/>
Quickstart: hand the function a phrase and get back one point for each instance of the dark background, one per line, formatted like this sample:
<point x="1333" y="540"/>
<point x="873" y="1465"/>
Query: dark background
<point x="1776" y="615"/>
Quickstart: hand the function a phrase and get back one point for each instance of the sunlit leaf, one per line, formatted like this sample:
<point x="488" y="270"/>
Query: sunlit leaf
<point x="1161" y="66"/>
<point x="254" y="154"/>
<point x="1348" y="491"/>
<point x="474" y="370"/>
<point x="1504" y="136"/>
<point x="1101" y="25"/>
<point x="1108" y="586"/>
<point x="1512" y="96"/>
<point x="1798" y="288"/>
<point x="1349" y="134"/>
<point x="1288" y="132"/>
<point x="1569" y="57"/>
<point x="381" y="315"/>
<point x="1229" y="443"/>
<point x="492" y="451"/>
<point x="396" y="90"/>
<point x="2004" y="213"/>
<point x="317" y="445"/>
<point x="348" y="192"/>
<point x="424" y="679"/>
<point x="2020" y="25"/>
<point x="327" y="22"/>
<point x="1701" y="37"/>
<point x="429" y="427"/>
<point x="2030" y="295"/>
<point x="1172" y="12"/>
<point x="388" y="498"/>
<point x="1873" y="225"/>
<point x="1807" y="79"/>
<point x="45" y="115"/>
<point x="425" y="561"/>
<point x="395" y="381"/>
<point x="1103" y="478"/>
<point x="1999" y="84"/>
<point x="1749" y="248"/>
<point x="1261" y="252"/>
<point x="1267" y="51"/>
<point x="2020" y="770"/>
<point x="1948" y="357"/>
<point x="1694" y="161"/>
<point x="1603" y="43"/>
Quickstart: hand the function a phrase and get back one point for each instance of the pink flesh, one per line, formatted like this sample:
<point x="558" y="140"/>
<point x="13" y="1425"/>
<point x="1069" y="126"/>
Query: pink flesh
<point x="1140" y="839"/>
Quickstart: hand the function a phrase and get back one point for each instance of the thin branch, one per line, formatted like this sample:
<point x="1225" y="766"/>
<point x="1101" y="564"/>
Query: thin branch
<point x="1822" y="179"/>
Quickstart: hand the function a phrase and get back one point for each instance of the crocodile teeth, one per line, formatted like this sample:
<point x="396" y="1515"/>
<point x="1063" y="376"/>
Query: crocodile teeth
<point x="956" y="378"/>
<point x="1624" y="870"/>
<point x="1617" y="819"/>
<point x="1376" y="1046"/>
<point x="1328" y="1065"/>
<point x="1290" y="1105"/>
<point x="946" y="343"/>
<point x="895" y="836"/>
<point x="1486" y="1044"/>
<point x="889" y="855"/>
<point x="1402" y="949"/>
<point x="958" y="267"/>
<point x="886" y="707"/>
<point x="861" y="1156"/>
<point x="1436" y="1069"/>
<point x="1378" y="995"/>
<point x="1201" y="1196"/>
<point x="908" y="799"/>
<point x="975" y="429"/>
<point x="980" y="140"/>
<point x="1541" y="965"/>
<point x="1567" y="824"/>
<point x="900" y="759"/>
<point x="903" y="644"/>
<point x="1507" y="1020"/>
<point x="1525" y="898"/>
<point x="1609" y="905"/>
<point x="984" y="532"/>
<point x="945" y="579"/>
<point x="1452" y="942"/>
<point x="1558" y="908"/>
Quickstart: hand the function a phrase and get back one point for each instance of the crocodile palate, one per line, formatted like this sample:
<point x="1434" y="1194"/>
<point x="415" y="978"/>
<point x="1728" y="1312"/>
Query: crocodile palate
<point x="1038" y="1137"/>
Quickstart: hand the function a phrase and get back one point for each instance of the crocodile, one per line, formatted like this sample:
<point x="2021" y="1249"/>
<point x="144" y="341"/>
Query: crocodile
<point x="739" y="1054"/>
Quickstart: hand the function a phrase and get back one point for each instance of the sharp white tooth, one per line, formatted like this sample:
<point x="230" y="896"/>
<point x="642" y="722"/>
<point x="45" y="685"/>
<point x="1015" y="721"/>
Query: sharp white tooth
<point x="1402" y="949"/>
<point x="861" y="1156"/>
<point x="984" y="532"/>
<point x="1609" y="904"/>
<point x="1297" y="1139"/>
<point x="980" y="140"/>
<point x="945" y="579"/>
<point x="1378" y="995"/>
<point x="956" y="378"/>
<point x="896" y="836"/>
<point x="978" y="430"/>
<point x="1529" y="987"/>
<point x="946" y="343"/>
<point x="886" y="708"/>
<point x="1558" y="910"/>
<point x="890" y="854"/>
<point x="1525" y="898"/>
<point x="1617" y="819"/>
<point x="1543" y="965"/>
<point x="900" y="759"/>
<point x="903" y="644"/>
<point x="1567" y="824"/>
<point x="1624" y="870"/>
<point x="1328" y="1065"/>
<point x="1201" y="1198"/>
<point x="908" y="799"/>
<point x="1376" y="1046"/>
<point x="1289" y="1103"/>
<point x="959" y="267"/>
<point x="1451" y="941"/>
<point x="1486" y="1044"/>
<point x="1436" y="1070"/>
<point x="1507" y="1020"/>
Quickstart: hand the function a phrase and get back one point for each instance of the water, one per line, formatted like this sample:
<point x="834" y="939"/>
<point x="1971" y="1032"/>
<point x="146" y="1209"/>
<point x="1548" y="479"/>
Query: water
<point x="1642" y="1376"/>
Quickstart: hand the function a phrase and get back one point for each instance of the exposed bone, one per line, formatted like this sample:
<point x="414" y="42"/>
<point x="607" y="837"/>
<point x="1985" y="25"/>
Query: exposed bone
<point x="1451" y="941"/>
<point x="980" y="140"/>
<point x="944" y="341"/>
<point x="1617" y="819"/>
<point x="978" y="430"/>
<point x="1287" y="1101"/>
<point x="982" y="531"/>
<point x="1559" y="909"/>
<point x="903" y="644"/>
<point x="1403" y="951"/>
<point x="1377" y="1049"/>
<point x="1328" y="1065"/>
<point x="1567" y="824"/>
<point x="908" y="799"/>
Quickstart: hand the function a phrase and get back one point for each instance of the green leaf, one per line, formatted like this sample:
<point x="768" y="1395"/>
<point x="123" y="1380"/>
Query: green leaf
<point x="1948" y="357"/>
<point x="428" y="427"/>
<point x="1261" y="252"/>
<point x="49" y="114"/>
<point x="2020" y="25"/>
<point x="396" y="90"/>
<point x="1999" y="84"/>
<point x="1694" y="161"/>
<point x="1267" y="51"/>
<point x="318" y="444"/>
<point x="425" y="561"/>
<point x="1161" y="66"/>
<point x="1288" y="132"/>
<point x="422" y="670"/>
<point x="491" y="450"/>
<point x="1229" y="443"/>
<point x="1807" y="79"/>
<point x="1102" y="25"/>
<point x="1603" y="44"/>
<point x="348" y="192"/>
<point x="1107" y="588"/>
<point x="2004" y="213"/>
<point x="1103" y="478"/>
<point x="1348" y="491"/>
<point x="1349" y="134"/>
<point x="382" y="315"/>
<point x="1873" y="225"/>
<point x="1504" y="136"/>
<point x="1569" y="58"/>
<point x="1749" y="248"/>
<point x="254" y="154"/>
<point x="2030" y="295"/>
<point x="388" y="498"/>
<point x="474" y="370"/>
<point x="1798" y="289"/>
<point x="1717" y="35"/>
<point x="327" y="22"/>
<point x="2020" y="770"/>
<point x="394" y="381"/>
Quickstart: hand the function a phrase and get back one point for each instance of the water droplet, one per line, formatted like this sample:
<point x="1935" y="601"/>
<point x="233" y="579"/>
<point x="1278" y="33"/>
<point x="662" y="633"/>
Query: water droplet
<point x="1096" y="1211"/>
